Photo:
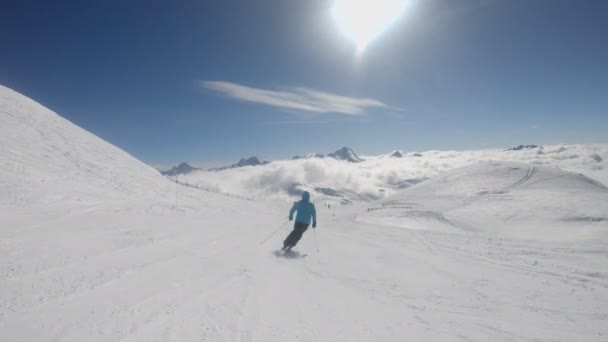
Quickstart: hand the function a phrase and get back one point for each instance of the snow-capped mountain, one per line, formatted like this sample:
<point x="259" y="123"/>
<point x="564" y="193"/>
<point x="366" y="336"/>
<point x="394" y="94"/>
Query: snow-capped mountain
<point x="308" y="156"/>
<point x="396" y="154"/>
<point x="251" y="161"/>
<point x="523" y="147"/>
<point x="181" y="169"/>
<point x="345" y="154"/>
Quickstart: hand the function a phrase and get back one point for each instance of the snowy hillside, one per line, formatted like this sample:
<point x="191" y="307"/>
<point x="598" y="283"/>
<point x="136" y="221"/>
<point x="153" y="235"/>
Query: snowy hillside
<point x="45" y="158"/>
<point x="501" y="199"/>
<point x="97" y="246"/>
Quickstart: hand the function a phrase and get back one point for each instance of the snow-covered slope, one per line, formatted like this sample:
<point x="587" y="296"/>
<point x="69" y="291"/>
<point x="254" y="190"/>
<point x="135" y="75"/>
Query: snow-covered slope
<point x="45" y="158"/>
<point x="96" y="246"/>
<point x="501" y="199"/>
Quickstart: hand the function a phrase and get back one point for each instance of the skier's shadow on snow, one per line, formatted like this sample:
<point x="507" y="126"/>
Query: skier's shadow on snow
<point x="289" y="254"/>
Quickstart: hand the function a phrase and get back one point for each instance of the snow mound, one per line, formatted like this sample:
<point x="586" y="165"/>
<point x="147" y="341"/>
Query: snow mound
<point x="500" y="198"/>
<point x="501" y="177"/>
<point x="45" y="158"/>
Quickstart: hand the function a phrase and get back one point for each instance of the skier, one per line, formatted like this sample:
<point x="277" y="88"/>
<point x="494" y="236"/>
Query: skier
<point x="306" y="212"/>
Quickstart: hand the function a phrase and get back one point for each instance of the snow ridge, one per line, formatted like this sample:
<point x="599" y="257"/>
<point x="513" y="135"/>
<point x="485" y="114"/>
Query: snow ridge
<point x="45" y="158"/>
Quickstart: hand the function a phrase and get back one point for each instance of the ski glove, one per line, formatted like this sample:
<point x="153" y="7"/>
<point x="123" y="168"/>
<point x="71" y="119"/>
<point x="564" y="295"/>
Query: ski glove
<point x="290" y="218"/>
<point x="314" y="224"/>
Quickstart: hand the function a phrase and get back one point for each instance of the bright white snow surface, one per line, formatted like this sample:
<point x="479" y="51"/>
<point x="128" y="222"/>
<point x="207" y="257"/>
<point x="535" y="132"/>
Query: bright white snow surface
<point x="96" y="246"/>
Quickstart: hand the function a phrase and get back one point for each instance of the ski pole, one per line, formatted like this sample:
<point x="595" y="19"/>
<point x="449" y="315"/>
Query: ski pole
<point x="315" y="235"/>
<point x="273" y="233"/>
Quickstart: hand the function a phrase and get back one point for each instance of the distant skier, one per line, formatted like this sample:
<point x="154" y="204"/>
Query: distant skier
<point x="306" y="212"/>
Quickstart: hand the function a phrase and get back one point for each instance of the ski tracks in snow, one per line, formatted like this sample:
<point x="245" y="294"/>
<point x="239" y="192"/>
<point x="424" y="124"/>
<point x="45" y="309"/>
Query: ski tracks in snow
<point x="475" y="287"/>
<point x="529" y="174"/>
<point x="380" y="283"/>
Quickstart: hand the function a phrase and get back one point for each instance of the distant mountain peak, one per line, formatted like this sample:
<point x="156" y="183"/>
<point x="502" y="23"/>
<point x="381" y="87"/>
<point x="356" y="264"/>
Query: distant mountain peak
<point x="346" y="154"/>
<point x="251" y="161"/>
<point x="396" y="154"/>
<point x="309" y="156"/>
<point x="181" y="169"/>
<point x="523" y="147"/>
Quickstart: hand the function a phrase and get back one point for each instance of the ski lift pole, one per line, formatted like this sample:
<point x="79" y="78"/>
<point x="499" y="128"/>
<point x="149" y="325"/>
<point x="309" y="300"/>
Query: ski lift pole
<point x="273" y="233"/>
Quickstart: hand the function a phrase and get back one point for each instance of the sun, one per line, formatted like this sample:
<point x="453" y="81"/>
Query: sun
<point x="363" y="20"/>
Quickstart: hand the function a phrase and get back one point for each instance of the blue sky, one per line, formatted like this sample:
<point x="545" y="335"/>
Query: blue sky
<point x="219" y="80"/>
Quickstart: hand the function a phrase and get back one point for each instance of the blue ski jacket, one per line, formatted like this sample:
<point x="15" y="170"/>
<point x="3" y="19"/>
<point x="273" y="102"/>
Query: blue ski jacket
<point x="306" y="210"/>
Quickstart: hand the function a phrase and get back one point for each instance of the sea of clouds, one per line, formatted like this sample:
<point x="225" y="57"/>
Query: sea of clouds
<point x="380" y="176"/>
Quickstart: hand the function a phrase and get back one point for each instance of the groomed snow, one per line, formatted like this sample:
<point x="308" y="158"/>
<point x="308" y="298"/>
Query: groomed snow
<point x="96" y="246"/>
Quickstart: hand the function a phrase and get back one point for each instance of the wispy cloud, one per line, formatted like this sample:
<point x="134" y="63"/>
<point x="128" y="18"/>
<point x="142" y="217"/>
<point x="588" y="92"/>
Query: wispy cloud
<point x="299" y="99"/>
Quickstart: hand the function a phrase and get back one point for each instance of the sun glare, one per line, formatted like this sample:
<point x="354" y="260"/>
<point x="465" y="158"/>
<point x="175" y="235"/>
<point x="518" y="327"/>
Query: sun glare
<point x="363" y="20"/>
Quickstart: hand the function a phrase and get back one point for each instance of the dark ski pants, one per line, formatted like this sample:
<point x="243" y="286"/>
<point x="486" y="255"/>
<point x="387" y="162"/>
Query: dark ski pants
<point x="295" y="235"/>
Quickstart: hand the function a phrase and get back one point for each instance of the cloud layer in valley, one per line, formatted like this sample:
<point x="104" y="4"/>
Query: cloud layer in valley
<point x="363" y="181"/>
